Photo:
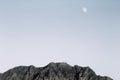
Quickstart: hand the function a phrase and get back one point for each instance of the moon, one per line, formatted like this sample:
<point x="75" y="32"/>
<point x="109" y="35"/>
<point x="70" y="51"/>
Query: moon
<point x="84" y="9"/>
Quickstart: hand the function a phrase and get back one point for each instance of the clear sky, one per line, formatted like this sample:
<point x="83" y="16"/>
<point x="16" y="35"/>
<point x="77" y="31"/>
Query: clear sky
<point x="41" y="31"/>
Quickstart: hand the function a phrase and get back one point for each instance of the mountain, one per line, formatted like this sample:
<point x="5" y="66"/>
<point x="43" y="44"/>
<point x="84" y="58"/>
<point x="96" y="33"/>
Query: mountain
<point x="53" y="71"/>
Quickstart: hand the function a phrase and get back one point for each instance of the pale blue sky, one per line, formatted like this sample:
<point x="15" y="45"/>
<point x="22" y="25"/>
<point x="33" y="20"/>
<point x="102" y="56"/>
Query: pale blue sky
<point x="41" y="31"/>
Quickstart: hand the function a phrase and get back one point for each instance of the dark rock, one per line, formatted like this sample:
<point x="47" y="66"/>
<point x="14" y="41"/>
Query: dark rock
<point x="53" y="71"/>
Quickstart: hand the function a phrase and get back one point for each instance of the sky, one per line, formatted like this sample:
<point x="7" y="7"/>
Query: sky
<point x="37" y="32"/>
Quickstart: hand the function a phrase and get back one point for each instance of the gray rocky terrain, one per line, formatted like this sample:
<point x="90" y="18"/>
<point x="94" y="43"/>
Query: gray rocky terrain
<point x="53" y="71"/>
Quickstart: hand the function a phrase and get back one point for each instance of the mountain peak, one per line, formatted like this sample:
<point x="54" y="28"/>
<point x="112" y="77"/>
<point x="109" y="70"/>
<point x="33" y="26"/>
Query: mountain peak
<point x="62" y="64"/>
<point x="53" y="71"/>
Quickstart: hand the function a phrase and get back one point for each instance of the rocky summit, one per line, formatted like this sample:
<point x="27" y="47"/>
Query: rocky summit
<point x="53" y="71"/>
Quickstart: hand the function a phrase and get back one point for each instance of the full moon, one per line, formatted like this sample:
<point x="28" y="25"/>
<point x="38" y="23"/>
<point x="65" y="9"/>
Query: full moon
<point x="84" y="9"/>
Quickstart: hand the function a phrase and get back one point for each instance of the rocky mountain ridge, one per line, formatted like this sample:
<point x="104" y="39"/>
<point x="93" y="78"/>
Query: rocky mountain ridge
<point x="53" y="71"/>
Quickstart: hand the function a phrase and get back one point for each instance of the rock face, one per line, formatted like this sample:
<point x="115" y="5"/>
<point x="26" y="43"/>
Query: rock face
<point x="53" y="71"/>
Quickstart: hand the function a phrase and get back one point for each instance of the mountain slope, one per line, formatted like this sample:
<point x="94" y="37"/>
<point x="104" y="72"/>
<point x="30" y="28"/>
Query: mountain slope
<point x="53" y="71"/>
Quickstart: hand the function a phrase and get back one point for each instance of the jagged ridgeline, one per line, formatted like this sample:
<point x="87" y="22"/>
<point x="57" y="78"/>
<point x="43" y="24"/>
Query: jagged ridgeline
<point x="53" y="71"/>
